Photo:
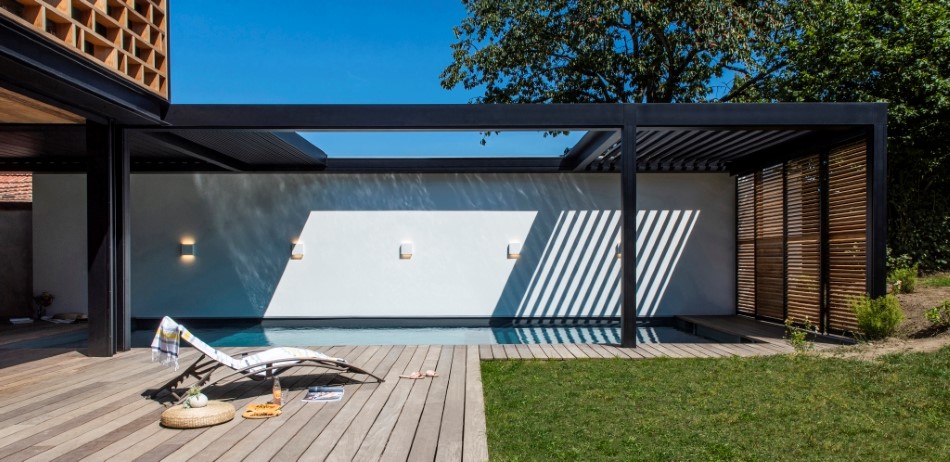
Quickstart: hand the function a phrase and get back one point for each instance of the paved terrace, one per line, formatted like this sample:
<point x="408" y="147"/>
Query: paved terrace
<point x="65" y="406"/>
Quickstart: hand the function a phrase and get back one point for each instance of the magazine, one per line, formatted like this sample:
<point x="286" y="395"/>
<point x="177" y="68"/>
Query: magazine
<point x="323" y="394"/>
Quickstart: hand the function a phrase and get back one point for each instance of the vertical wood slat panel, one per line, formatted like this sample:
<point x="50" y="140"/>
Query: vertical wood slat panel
<point x="769" y="243"/>
<point x="847" y="231"/>
<point x="803" y="246"/>
<point x="745" y="244"/>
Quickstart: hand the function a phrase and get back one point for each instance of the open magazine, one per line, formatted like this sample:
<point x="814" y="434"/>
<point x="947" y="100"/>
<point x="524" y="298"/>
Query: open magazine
<point x="323" y="394"/>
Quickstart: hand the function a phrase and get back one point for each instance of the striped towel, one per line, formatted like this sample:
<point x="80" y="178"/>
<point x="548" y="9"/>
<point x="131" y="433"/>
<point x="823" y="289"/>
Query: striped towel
<point x="165" y="343"/>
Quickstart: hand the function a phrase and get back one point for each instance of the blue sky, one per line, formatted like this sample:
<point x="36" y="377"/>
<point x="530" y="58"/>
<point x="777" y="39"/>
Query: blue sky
<point x="333" y="52"/>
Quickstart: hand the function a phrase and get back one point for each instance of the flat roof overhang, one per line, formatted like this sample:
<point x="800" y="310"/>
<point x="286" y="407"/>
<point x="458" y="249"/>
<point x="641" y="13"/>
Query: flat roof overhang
<point x="261" y="138"/>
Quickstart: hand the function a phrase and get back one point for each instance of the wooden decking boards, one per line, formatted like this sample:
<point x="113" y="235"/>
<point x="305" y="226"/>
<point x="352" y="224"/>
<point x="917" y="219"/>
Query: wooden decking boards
<point x="65" y="406"/>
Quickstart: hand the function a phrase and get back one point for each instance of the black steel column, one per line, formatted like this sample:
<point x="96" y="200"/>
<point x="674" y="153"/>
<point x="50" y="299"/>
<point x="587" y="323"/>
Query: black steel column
<point x="106" y="188"/>
<point x="120" y="177"/>
<point x="877" y="210"/>
<point x="628" y="233"/>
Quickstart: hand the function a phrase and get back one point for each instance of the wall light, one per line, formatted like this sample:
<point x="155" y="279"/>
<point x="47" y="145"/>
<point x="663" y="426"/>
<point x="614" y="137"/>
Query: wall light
<point x="405" y="251"/>
<point x="188" y="250"/>
<point x="514" y="250"/>
<point x="297" y="251"/>
<point x="619" y="249"/>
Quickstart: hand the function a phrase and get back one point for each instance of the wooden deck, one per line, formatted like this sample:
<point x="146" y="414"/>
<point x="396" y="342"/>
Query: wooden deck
<point x="64" y="406"/>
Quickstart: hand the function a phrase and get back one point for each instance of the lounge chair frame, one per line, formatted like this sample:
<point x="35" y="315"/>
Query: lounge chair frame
<point x="205" y="366"/>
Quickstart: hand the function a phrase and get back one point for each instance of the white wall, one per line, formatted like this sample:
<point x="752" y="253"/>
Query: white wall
<point x="59" y="240"/>
<point x="352" y="225"/>
<point x="459" y="224"/>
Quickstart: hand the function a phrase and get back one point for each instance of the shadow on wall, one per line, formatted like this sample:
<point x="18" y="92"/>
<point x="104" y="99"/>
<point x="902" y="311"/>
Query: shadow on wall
<point x="577" y="275"/>
<point x="243" y="227"/>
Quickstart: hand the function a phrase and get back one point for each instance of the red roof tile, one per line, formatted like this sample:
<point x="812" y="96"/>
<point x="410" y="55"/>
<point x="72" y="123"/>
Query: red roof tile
<point x="16" y="187"/>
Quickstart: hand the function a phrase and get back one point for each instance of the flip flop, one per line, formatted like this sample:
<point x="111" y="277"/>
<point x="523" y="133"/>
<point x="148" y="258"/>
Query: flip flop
<point x="431" y="373"/>
<point x="414" y="375"/>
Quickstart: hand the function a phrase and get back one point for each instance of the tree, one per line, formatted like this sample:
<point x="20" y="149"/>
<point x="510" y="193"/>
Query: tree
<point x="896" y="52"/>
<point x="560" y="51"/>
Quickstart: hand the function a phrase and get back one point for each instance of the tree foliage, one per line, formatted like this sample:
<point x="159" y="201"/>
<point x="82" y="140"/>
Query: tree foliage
<point x="893" y="51"/>
<point x="660" y="51"/>
<point x="896" y="52"/>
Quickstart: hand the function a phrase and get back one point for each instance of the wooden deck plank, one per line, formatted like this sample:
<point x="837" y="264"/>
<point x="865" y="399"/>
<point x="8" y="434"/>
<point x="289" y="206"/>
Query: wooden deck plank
<point x="588" y="351"/>
<point x="536" y="351"/>
<point x="575" y="351"/>
<point x="449" y="447"/>
<point x="338" y="428"/>
<point x="524" y="352"/>
<point x="475" y="439"/>
<point x="511" y="352"/>
<point x="498" y="352"/>
<point x="485" y="352"/>
<point x="424" y="444"/>
<point x="400" y="440"/>
<point x="385" y="423"/>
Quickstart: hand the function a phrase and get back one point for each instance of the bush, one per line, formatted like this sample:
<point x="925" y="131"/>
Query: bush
<point x="939" y="315"/>
<point x="877" y="317"/>
<point x="905" y="279"/>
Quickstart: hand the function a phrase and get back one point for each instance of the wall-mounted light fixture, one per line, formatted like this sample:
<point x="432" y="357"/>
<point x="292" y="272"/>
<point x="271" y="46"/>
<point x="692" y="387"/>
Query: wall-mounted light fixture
<point x="619" y="249"/>
<point x="187" y="250"/>
<point x="514" y="250"/>
<point x="405" y="251"/>
<point x="297" y="251"/>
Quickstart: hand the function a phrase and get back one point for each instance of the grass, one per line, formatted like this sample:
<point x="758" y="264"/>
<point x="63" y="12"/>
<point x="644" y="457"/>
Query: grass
<point x="936" y="280"/>
<point x="772" y="408"/>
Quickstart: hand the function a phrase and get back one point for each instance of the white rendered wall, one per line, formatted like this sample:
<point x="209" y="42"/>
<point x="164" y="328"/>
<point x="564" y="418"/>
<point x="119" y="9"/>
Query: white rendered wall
<point x="59" y="240"/>
<point x="459" y="225"/>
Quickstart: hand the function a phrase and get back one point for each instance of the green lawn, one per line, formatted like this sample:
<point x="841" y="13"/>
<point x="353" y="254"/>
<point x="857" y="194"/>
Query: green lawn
<point x="772" y="408"/>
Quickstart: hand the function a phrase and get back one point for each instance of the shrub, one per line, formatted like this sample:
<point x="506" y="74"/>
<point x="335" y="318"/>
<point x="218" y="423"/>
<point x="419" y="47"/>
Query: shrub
<point x="905" y="279"/>
<point x="939" y="315"/>
<point x="877" y="317"/>
<point x="799" y="337"/>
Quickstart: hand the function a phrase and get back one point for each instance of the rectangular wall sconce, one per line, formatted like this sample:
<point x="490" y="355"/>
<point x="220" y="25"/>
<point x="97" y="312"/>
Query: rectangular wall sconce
<point x="405" y="251"/>
<point x="187" y="250"/>
<point x="619" y="249"/>
<point x="514" y="250"/>
<point x="297" y="251"/>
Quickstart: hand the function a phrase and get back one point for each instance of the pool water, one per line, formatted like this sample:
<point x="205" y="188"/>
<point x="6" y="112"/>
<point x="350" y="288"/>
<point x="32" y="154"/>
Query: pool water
<point x="314" y="336"/>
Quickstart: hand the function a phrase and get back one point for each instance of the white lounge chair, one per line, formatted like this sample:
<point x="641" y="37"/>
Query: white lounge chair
<point x="255" y="365"/>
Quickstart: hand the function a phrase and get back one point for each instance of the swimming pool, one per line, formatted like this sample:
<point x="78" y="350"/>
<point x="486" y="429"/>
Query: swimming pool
<point x="313" y="336"/>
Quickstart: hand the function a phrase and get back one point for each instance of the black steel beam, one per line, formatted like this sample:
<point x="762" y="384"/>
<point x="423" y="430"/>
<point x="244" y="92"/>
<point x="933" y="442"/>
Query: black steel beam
<point x="100" y="218"/>
<point x="37" y="67"/>
<point x="591" y="145"/>
<point x="406" y="117"/>
<point x="44" y="164"/>
<point x="198" y="151"/>
<point x="760" y="116"/>
<point x="877" y="210"/>
<point x="628" y="238"/>
<point x="299" y="143"/>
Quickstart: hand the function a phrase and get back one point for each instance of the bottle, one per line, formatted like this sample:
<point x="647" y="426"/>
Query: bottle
<point x="276" y="399"/>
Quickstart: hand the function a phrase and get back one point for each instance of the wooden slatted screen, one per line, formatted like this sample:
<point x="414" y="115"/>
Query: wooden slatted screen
<point x="803" y="239"/>
<point x="847" y="232"/>
<point x="745" y="244"/>
<point x="769" y="245"/>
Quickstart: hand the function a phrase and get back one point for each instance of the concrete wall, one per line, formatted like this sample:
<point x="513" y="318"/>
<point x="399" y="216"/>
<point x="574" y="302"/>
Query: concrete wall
<point x="16" y="262"/>
<point x="59" y="240"/>
<point x="352" y="226"/>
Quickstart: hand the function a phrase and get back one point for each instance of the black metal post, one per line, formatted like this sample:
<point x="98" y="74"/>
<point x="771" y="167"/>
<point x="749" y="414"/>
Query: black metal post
<point x="120" y="179"/>
<point x="100" y="222"/>
<point x="628" y="200"/>
<point x="877" y="210"/>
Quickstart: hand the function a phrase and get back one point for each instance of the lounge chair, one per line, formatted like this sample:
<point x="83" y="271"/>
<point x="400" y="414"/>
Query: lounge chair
<point x="256" y="365"/>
